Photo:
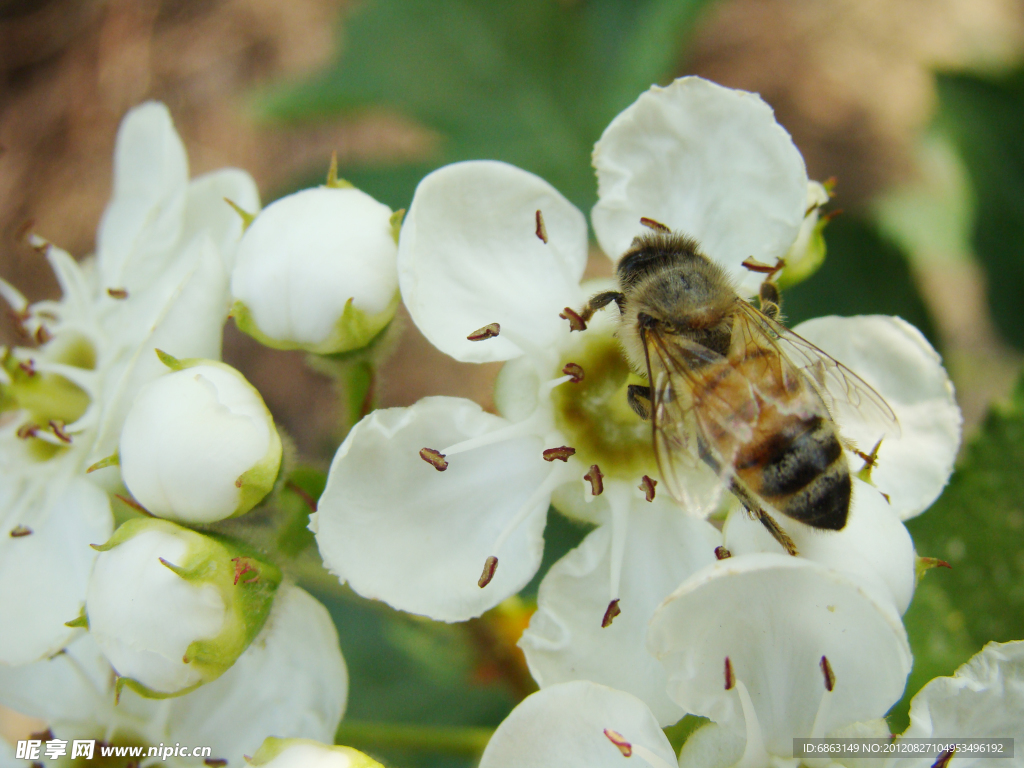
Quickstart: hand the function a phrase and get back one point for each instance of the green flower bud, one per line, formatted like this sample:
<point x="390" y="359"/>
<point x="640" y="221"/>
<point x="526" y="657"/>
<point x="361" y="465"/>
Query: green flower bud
<point x="172" y="608"/>
<point x="306" y="753"/>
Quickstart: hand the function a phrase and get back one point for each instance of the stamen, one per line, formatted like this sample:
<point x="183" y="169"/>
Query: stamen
<point x="58" y="429"/>
<point x="554" y="479"/>
<point x="576" y="323"/>
<point x="610" y="613"/>
<point x="647" y="485"/>
<point x="574" y="372"/>
<point x="542" y="231"/>
<point x="490" y="566"/>
<point x="562" y="453"/>
<point x="619" y="501"/>
<point x="117" y="293"/>
<point x="722" y="553"/>
<point x="596" y="480"/>
<point x="757" y="266"/>
<point x="826" y="670"/>
<point x="944" y="758"/>
<point x="870" y="461"/>
<point x="730" y="680"/>
<point x="619" y="741"/>
<point x="42" y="335"/>
<point x="28" y="366"/>
<point x="243" y="565"/>
<point x="436" y="459"/>
<point x="550" y="385"/>
<point x="215" y="762"/>
<point x="46" y="437"/>
<point x="25" y="431"/>
<point x="525" y="427"/>
<point x="19" y="531"/>
<point x="754" y="754"/>
<point x="657" y="226"/>
<point x="489" y="331"/>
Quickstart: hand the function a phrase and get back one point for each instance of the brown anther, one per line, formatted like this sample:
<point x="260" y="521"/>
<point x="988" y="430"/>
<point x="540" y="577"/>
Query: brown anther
<point x="829" y="675"/>
<point x="542" y="231"/>
<point x="596" y="480"/>
<point x="575" y="371"/>
<point x="133" y="504"/>
<point x="22" y="232"/>
<point x="489" y="331"/>
<point x="42" y="335"/>
<point x="619" y="741"/>
<point x="927" y="563"/>
<point x="657" y="226"/>
<point x="20" y="530"/>
<point x="25" y="431"/>
<point x="28" y="366"/>
<point x="730" y="679"/>
<point x="243" y="565"/>
<point x="562" y="453"/>
<point x="647" y="485"/>
<point x="761" y="268"/>
<point x="490" y="566"/>
<point x="576" y="323"/>
<point x="434" y="459"/>
<point x="58" y="429"/>
<point x="117" y="293"/>
<point x="610" y="613"/>
<point x="722" y="553"/>
<point x="943" y="759"/>
<point x="215" y="762"/>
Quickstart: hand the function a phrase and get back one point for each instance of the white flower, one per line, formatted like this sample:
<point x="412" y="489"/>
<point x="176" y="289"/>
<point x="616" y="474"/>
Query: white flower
<point x="488" y="248"/>
<point x="306" y="753"/>
<point x="290" y="682"/>
<point x="199" y="444"/>
<point x="771" y="648"/>
<point x="172" y="608"/>
<point x="159" y="279"/>
<point x="316" y="271"/>
<point x="983" y="699"/>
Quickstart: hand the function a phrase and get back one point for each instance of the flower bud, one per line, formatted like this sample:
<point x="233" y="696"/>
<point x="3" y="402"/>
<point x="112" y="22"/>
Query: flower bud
<point x="171" y="608"/>
<point x="306" y="753"/>
<point x="317" y="271"/>
<point x="199" y="444"/>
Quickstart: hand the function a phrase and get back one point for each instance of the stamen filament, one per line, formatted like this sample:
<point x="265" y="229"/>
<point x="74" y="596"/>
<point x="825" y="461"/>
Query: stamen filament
<point x="754" y="753"/>
<point x="510" y="432"/>
<point x="555" y="478"/>
<point x="618" y="500"/>
<point x="649" y="757"/>
<point x="547" y="386"/>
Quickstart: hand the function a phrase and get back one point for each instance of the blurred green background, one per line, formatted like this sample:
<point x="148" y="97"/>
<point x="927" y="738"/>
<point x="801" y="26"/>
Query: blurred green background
<point x="916" y="106"/>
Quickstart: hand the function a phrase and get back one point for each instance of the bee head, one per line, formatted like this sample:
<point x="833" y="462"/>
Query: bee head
<point x="652" y="252"/>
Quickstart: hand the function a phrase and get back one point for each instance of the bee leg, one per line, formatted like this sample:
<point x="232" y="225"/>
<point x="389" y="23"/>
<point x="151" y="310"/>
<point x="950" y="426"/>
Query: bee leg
<point x="758" y="513"/>
<point x="639" y="399"/>
<point x="600" y="300"/>
<point x="770" y="299"/>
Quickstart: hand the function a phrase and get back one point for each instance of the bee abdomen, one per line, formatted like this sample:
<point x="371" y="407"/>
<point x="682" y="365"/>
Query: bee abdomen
<point x="806" y="476"/>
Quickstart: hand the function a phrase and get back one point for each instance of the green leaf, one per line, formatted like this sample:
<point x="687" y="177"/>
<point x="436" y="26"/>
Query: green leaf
<point x="985" y="117"/>
<point x="977" y="525"/>
<point x="863" y="274"/>
<point x="532" y="83"/>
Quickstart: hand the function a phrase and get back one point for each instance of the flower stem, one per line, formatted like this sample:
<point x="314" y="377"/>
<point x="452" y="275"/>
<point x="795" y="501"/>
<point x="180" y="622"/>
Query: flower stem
<point x="447" y="739"/>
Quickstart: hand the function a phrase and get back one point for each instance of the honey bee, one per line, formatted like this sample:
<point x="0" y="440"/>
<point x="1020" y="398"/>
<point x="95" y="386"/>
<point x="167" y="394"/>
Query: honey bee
<point x="729" y="384"/>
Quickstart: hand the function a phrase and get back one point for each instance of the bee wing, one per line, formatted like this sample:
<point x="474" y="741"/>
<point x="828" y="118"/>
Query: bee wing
<point x="841" y="390"/>
<point x="678" y="426"/>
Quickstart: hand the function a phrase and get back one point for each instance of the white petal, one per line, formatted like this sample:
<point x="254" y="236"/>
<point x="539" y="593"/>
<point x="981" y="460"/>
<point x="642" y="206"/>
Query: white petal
<point x="43" y="575"/>
<point x="291" y="682"/>
<point x="707" y="161"/>
<point x="183" y="317"/>
<point x="144" y="217"/>
<point x="565" y="640"/>
<point x="894" y="358"/>
<point x="874" y="549"/>
<point x="469" y="256"/>
<point x="564" y="725"/>
<point x="206" y="209"/>
<point x="400" y="531"/>
<point x="774" y="617"/>
<point x="984" y="698"/>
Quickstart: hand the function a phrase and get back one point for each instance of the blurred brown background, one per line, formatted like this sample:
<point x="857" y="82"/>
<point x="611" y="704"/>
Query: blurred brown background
<point x="850" y="79"/>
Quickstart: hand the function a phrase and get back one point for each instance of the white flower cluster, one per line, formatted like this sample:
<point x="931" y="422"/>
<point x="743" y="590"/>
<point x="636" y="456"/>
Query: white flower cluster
<point x="125" y="372"/>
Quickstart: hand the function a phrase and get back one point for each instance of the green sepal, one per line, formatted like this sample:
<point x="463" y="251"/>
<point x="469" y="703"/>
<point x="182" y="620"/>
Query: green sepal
<point x="396" y="223"/>
<point x="149" y="693"/>
<point x="353" y="330"/>
<point x="247" y="218"/>
<point x="806" y="264"/>
<point x="170" y="361"/>
<point x="80" y="622"/>
<point x="113" y="460"/>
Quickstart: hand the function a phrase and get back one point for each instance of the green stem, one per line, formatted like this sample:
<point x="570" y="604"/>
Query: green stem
<point x="447" y="739"/>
